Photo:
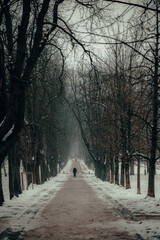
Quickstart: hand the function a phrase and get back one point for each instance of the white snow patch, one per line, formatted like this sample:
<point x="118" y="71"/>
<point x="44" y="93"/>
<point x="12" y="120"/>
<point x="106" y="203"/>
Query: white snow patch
<point x="137" y="204"/>
<point x="19" y="211"/>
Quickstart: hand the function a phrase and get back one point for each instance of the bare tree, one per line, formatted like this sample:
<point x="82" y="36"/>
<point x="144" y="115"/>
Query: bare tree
<point x="148" y="23"/>
<point x="26" y="28"/>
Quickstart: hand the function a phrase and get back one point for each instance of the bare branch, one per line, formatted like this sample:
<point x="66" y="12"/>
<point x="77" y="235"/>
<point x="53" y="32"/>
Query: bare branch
<point x="133" y="4"/>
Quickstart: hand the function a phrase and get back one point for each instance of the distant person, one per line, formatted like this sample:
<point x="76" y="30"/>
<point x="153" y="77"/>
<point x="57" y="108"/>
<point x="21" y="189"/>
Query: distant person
<point x="74" y="171"/>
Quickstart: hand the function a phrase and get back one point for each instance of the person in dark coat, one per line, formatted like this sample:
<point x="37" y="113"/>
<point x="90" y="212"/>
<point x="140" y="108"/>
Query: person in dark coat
<point x="74" y="171"/>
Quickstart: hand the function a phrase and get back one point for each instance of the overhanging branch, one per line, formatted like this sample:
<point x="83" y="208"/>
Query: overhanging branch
<point x="133" y="4"/>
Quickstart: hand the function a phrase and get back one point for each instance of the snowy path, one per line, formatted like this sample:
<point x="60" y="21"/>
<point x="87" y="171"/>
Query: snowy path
<point x="15" y="219"/>
<point x="76" y="212"/>
<point x="76" y="208"/>
<point x="17" y="213"/>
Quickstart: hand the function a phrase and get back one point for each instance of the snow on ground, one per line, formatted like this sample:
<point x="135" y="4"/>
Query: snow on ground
<point x="19" y="211"/>
<point x="30" y="201"/>
<point x="140" y="205"/>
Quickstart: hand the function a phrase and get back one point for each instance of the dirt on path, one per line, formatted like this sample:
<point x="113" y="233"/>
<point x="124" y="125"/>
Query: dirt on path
<point x="77" y="213"/>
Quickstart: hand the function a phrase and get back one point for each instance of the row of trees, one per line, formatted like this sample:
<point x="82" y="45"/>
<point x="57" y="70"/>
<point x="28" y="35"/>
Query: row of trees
<point x="30" y="89"/>
<point x="43" y="141"/>
<point x="117" y="106"/>
<point x="116" y="102"/>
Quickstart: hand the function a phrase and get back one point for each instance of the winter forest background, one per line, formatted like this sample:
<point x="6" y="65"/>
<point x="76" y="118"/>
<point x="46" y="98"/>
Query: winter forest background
<point x="79" y="79"/>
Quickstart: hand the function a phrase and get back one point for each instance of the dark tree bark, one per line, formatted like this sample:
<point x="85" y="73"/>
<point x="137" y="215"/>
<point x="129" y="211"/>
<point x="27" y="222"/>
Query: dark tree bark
<point x="151" y="179"/>
<point x="44" y="172"/>
<point x="1" y="191"/>
<point x="104" y="173"/>
<point x="112" y="169"/>
<point x="2" y="83"/>
<point x="116" y="170"/>
<point x="122" y="171"/>
<point x="127" y="174"/>
<point x="36" y="173"/>
<point x="14" y="172"/>
<point x="108" y="172"/>
<point x="53" y="167"/>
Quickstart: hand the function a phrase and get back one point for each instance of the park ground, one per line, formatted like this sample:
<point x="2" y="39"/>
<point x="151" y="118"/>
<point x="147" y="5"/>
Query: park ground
<point x="79" y="208"/>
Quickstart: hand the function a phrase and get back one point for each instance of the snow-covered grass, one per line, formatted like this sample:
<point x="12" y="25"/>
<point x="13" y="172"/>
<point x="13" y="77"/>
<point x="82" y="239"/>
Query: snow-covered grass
<point x="144" y="208"/>
<point x="30" y="201"/>
<point x="129" y="197"/>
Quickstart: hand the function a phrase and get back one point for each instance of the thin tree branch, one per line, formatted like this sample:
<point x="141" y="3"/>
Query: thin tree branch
<point x="134" y="4"/>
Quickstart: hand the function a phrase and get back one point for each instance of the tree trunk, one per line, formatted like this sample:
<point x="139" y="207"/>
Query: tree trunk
<point x="1" y="190"/>
<point x="53" y="168"/>
<point x="44" y="172"/>
<point x="4" y="168"/>
<point x="132" y="167"/>
<point x="97" y="169"/>
<point x="36" y="173"/>
<point x="138" y="176"/>
<point x="116" y="170"/>
<point x="14" y="172"/>
<point x="101" y="171"/>
<point x="151" y="178"/>
<point x="112" y="171"/>
<point x="127" y="174"/>
<point x="104" y="173"/>
<point x="122" y="172"/>
<point x="108" y="172"/>
<point x="11" y="191"/>
<point x="30" y="168"/>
